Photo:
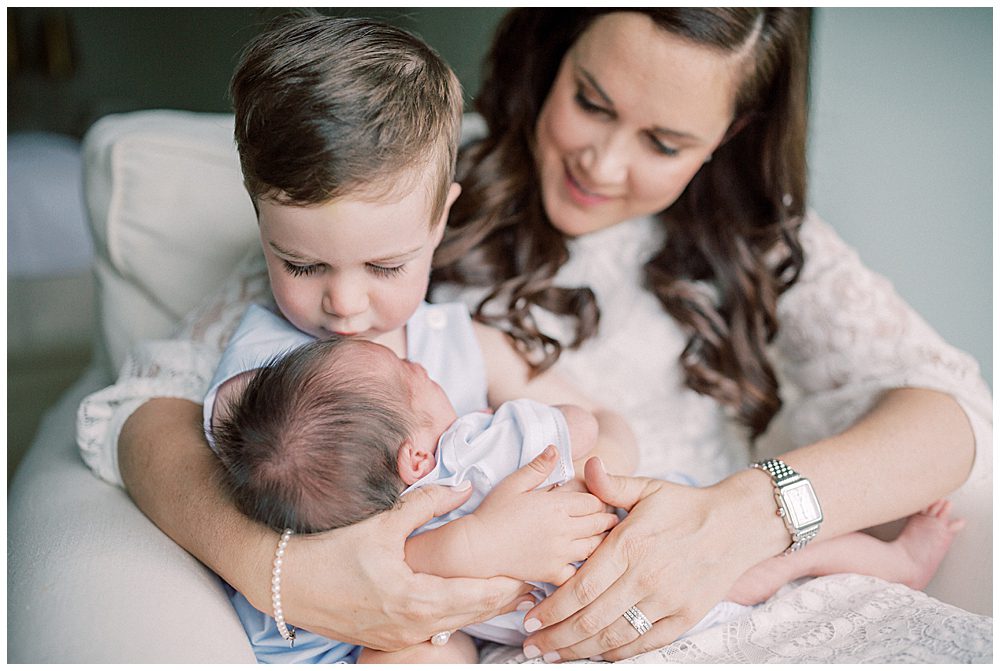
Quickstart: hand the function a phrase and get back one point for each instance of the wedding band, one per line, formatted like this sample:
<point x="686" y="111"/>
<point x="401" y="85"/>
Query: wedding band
<point x="440" y="638"/>
<point x="638" y="620"/>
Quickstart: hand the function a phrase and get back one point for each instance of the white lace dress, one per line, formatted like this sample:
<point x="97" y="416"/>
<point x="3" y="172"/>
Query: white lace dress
<point x="845" y="337"/>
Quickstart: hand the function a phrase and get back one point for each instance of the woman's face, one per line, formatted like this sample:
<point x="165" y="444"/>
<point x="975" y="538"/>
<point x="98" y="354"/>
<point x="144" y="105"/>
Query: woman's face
<point x="633" y="114"/>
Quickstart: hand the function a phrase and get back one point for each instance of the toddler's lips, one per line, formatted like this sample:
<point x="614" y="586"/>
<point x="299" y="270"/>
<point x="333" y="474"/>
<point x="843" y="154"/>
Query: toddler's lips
<point x="342" y="334"/>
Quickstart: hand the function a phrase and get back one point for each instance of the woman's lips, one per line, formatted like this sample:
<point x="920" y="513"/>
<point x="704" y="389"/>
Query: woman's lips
<point x="580" y="194"/>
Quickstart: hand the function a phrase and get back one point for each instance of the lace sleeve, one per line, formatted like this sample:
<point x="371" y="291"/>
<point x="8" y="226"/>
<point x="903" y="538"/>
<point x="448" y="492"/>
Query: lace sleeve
<point x="179" y="367"/>
<point x="846" y="336"/>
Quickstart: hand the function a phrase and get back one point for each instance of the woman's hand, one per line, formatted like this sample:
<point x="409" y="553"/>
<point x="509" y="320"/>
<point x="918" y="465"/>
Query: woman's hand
<point x="352" y="584"/>
<point x="674" y="556"/>
<point x="533" y="534"/>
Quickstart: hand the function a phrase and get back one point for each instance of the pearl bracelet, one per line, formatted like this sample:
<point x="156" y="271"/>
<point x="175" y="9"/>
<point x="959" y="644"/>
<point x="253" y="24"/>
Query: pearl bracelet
<point x="279" y="615"/>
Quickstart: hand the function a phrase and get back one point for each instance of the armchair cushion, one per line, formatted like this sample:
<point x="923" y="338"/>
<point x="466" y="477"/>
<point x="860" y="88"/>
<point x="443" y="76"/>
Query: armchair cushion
<point x="170" y="218"/>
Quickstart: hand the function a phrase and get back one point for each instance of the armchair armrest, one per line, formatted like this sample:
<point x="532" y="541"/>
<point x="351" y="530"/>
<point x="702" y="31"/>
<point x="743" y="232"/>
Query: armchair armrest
<point x="91" y="579"/>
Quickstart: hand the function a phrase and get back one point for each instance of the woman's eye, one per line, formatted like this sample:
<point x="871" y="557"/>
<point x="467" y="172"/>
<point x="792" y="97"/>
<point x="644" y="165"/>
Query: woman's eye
<point x="586" y="105"/>
<point x="300" y="271"/>
<point x="658" y="146"/>
<point x="385" y="271"/>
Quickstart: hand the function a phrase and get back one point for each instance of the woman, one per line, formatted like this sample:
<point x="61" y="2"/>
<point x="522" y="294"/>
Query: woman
<point x="599" y="119"/>
<point x="697" y="117"/>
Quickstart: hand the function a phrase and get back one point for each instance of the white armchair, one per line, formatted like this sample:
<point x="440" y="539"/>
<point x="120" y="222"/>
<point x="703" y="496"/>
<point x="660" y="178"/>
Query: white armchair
<point x="170" y="218"/>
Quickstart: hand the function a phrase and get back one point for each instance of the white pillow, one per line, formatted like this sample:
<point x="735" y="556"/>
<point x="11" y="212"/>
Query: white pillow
<point x="170" y="218"/>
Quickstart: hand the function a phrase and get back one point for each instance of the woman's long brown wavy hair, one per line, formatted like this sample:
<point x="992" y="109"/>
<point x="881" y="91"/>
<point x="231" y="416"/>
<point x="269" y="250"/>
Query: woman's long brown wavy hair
<point x="734" y="229"/>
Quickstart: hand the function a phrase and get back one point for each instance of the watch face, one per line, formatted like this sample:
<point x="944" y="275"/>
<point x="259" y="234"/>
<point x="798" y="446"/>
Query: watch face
<point x="801" y="504"/>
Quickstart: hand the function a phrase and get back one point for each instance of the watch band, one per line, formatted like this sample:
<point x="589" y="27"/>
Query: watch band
<point x="784" y="477"/>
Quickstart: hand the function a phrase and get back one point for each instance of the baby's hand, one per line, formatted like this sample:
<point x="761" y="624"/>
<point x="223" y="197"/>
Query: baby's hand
<point x="531" y="534"/>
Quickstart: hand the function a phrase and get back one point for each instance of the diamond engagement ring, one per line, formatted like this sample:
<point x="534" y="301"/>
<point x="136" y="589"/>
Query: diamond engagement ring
<point x="638" y="620"/>
<point x="440" y="638"/>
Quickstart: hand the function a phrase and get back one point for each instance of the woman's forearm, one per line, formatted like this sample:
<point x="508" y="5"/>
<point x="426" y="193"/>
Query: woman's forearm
<point x="913" y="447"/>
<point x="170" y="473"/>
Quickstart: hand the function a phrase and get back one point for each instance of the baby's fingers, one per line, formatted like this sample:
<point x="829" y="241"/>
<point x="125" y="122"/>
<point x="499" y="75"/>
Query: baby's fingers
<point x="589" y="526"/>
<point x="581" y="549"/>
<point x="532" y="474"/>
<point x="584" y="547"/>
<point x="582" y="503"/>
<point x="562" y="575"/>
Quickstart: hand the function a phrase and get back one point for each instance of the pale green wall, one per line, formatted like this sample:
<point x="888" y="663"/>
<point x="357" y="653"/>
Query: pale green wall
<point x="128" y="58"/>
<point x="901" y="156"/>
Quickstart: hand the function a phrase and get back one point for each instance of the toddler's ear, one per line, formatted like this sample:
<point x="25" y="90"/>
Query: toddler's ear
<point x="453" y="193"/>
<point x="413" y="462"/>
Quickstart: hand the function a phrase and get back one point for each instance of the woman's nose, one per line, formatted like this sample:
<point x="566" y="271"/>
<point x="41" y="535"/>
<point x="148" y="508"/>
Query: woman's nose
<point x="606" y="160"/>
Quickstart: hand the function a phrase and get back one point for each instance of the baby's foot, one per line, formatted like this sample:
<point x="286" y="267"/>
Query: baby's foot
<point x="925" y="539"/>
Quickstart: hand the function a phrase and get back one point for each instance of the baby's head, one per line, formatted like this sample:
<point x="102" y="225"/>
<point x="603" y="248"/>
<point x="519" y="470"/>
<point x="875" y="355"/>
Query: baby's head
<point x="330" y="434"/>
<point x="347" y="131"/>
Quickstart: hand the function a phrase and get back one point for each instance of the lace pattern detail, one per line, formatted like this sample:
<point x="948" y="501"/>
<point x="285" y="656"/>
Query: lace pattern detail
<point x="844" y="618"/>
<point x="846" y="336"/>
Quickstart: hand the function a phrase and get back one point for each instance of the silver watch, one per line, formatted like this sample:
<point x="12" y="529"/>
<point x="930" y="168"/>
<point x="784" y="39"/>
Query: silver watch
<point x="798" y="506"/>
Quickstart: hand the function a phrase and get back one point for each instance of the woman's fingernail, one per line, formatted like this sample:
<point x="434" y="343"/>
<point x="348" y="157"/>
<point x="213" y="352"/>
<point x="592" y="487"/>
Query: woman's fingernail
<point x="531" y="624"/>
<point x="462" y="486"/>
<point x="597" y="658"/>
<point x="550" y="451"/>
<point x="525" y="605"/>
<point x="550" y="657"/>
<point x="531" y="651"/>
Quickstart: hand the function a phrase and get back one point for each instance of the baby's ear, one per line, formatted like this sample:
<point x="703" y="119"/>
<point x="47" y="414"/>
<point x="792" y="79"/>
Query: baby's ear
<point x="414" y="462"/>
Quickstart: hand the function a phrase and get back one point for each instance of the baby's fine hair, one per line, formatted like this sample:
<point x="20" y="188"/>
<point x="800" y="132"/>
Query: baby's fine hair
<point x="328" y="106"/>
<point x="311" y="444"/>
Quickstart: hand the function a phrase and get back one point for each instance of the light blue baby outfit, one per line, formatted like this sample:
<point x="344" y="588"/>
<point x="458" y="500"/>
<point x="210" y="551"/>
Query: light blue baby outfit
<point x="480" y="447"/>
<point x="485" y="448"/>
